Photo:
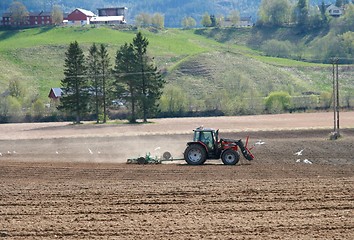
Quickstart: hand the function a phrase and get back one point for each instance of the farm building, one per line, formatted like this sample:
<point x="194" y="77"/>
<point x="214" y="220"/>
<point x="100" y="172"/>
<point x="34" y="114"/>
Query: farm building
<point x="32" y="19"/>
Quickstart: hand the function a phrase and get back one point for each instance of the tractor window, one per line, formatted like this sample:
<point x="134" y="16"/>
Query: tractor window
<point x="207" y="138"/>
<point x="196" y="136"/>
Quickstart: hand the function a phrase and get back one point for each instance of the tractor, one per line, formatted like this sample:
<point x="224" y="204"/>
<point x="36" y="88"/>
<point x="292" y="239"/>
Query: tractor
<point x="207" y="145"/>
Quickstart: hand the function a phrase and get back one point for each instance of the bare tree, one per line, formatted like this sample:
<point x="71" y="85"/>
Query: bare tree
<point x="18" y="12"/>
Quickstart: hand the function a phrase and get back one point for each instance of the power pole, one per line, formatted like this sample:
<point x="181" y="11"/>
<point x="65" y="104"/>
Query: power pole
<point x="335" y="74"/>
<point x="337" y="94"/>
<point x="334" y="97"/>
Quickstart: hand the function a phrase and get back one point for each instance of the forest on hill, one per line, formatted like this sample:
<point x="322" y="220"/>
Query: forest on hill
<point x="173" y="10"/>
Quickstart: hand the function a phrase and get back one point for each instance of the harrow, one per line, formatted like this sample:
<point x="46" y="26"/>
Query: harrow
<point x="148" y="159"/>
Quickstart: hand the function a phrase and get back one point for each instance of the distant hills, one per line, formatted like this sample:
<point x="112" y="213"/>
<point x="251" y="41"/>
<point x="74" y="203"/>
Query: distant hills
<point x="173" y="10"/>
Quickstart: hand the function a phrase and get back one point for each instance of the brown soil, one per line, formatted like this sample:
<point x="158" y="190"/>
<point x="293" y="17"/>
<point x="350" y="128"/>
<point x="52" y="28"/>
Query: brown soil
<point x="71" y="182"/>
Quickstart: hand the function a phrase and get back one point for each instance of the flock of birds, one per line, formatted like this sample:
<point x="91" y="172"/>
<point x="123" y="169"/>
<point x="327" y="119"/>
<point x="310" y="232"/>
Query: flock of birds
<point x="258" y="143"/>
<point x="8" y="153"/>
<point x="299" y="153"/>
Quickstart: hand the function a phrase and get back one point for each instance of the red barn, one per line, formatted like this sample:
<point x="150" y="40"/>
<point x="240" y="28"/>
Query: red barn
<point x="55" y="93"/>
<point x="80" y="17"/>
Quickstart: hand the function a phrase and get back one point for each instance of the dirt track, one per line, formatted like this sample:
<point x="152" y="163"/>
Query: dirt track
<point x="74" y="186"/>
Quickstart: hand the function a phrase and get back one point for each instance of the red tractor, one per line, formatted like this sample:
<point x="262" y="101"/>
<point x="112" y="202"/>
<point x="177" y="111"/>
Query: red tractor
<point x="207" y="145"/>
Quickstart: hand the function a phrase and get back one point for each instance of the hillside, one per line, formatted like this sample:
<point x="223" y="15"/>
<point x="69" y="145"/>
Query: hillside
<point x="174" y="11"/>
<point x="203" y="72"/>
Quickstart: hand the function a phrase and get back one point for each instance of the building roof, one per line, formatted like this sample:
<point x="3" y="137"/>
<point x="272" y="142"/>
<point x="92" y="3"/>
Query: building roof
<point x="86" y="12"/>
<point x="112" y="8"/>
<point x="56" y="91"/>
<point x="34" y="14"/>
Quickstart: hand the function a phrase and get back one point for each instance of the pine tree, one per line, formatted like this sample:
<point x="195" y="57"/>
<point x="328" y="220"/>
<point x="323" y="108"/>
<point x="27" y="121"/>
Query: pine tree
<point x="93" y="73"/>
<point x="75" y="84"/>
<point x="140" y="44"/>
<point x="126" y="78"/>
<point x="303" y="13"/>
<point x="104" y="66"/>
<point x="136" y="73"/>
<point x="153" y="88"/>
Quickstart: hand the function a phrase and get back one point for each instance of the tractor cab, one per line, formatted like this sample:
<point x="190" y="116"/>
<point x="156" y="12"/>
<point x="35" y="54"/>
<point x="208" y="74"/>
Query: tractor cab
<point x="208" y="137"/>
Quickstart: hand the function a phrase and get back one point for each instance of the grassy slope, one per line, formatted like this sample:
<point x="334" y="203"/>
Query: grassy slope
<point x="36" y="56"/>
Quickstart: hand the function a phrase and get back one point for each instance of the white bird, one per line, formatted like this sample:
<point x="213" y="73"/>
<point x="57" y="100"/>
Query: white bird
<point x="299" y="160"/>
<point x="8" y="152"/>
<point x="99" y="152"/>
<point x="158" y="148"/>
<point x="260" y="142"/>
<point x="299" y="153"/>
<point x="56" y="152"/>
<point x="307" y="161"/>
<point x="14" y="152"/>
<point x="0" y="154"/>
<point x="90" y="151"/>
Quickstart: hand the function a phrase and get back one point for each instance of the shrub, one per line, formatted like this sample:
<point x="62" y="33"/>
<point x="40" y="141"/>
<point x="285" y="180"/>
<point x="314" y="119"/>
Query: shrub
<point x="277" y="48"/>
<point x="277" y="102"/>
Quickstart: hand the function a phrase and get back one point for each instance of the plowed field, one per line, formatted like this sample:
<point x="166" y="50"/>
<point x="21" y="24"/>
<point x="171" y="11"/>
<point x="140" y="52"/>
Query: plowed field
<point x="71" y="182"/>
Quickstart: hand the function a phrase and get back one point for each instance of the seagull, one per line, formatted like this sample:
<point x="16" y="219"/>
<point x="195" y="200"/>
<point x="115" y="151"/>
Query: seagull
<point x="8" y="152"/>
<point x="260" y="142"/>
<point x="90" y="151"/>
<point x="307" y="161"/>
<point x="0" y="154"/>
<point x="299" y="153"/>
<point x="56" y="152"/>
<point x="299" y="160"/>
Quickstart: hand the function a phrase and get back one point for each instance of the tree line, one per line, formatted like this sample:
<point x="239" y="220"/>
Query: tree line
<point x="92" y="85"/>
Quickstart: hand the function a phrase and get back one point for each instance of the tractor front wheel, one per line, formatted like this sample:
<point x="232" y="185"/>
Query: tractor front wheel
<point x="230" y="157"/>
<point x="195" y="154"/>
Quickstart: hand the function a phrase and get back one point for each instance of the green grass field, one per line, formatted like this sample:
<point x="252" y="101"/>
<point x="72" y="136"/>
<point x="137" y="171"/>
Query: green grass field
<point x="199" y="62"/>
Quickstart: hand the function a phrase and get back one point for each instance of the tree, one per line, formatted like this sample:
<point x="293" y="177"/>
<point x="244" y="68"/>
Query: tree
<point x="38" y="108"/>
<point x="75" y="84"/>
<point x="143" y="20"/>
<point x="57" y="15"/>
<point x="173" y="100"/>
<point x="158" y="21"/>
<point x="324" y="16"/>
<point x="16" y="89"/>
<point x="277" y="48"/>
<point x="151" y="82"/>
<point x="214" y="21"/>
<point x="277" y="102"/>
<point x="18" y="12"/>
<point x="104" y="65"/>
<point x="93" y="73"/>
<point x="302" y="13"/>
<point x="274" y="12"/>
<point x="206" y="20"/>
<point x="346" y="22"/>
<point x="188" y="22"/>
<point x="234" y="17"/>
<point x="126" y="79"/>
<point x="137" y="79"/>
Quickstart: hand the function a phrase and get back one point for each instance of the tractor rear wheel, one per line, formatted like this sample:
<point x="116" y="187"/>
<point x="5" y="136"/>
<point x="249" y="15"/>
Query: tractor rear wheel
<point x="230" y="157"/>
<point x="195" y="154"/>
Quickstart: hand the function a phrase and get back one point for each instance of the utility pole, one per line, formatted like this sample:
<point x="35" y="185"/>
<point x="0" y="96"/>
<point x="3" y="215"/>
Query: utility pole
<point x="334" y="97"/>
<point x="337" y="94"/>
<point x="335" y="74"/>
